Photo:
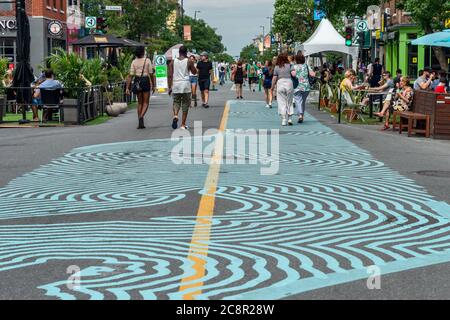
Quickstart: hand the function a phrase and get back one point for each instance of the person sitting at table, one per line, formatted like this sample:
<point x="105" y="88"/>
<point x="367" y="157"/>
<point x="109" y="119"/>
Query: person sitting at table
<point x="48" y="84"/>
<point x="387" y="88"/>
<point x="347" y="83"/>
<point x="402" y="102"/>
<point x="442" y="86"/>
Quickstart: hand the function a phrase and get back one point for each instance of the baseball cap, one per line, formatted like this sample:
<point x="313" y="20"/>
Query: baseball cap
<point x="204" y="53"/>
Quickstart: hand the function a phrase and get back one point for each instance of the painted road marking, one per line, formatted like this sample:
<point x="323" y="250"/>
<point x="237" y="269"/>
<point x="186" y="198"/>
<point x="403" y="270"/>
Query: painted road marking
<point x="198" y="250"/>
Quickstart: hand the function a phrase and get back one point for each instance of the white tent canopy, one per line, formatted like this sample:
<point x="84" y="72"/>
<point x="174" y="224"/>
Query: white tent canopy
<point x="326" y="39"/>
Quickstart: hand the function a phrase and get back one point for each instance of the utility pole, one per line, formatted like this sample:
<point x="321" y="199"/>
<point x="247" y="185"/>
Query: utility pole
<point x="263" y="36"/>
<point x="182" y="19"/>
<point x="195" y="14"/>
<point x="271" y="24"/>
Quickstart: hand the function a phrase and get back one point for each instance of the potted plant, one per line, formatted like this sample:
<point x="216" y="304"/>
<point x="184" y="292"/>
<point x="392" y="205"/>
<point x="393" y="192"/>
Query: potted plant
<point x="334" y="99"/>
<point x="4" y="63"/>
<point x="68" y="68"/>
<point x="324" y="98"/>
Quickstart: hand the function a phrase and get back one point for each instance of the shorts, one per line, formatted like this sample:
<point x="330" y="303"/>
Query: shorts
<point x="145" y="84"/>
<point x="193" y="79"/>
<point x="253" y="80"/>
<point x="181" y="101"/>
<point x="204" y="84"/>
<point x="267" y="84"/>
<point x="239" y="81"/>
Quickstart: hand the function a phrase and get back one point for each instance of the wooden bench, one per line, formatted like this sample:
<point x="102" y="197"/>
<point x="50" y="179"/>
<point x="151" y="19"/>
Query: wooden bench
<point x="414" y="119"/>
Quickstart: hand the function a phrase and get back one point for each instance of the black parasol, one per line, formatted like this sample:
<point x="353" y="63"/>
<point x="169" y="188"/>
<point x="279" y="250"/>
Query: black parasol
<point x="113" y="59"/>
<point x="23" y="76"/>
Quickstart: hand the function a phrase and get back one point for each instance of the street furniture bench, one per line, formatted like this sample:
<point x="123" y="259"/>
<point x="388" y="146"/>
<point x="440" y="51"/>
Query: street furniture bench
<point x="414" y="121"/>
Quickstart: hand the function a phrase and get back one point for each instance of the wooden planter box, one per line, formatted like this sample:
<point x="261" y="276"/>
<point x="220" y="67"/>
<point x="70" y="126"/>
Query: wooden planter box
<point x="437" y="106"/>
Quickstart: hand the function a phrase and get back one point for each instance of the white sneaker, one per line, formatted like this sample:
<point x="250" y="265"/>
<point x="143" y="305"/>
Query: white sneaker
<point x="284" y="122"/>
<point x="268" y="106"/>
<point x="290" y="121"/>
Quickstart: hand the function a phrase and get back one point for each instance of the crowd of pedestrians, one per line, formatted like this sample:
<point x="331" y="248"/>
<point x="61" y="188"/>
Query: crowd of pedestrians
<point x="288" y="79"/>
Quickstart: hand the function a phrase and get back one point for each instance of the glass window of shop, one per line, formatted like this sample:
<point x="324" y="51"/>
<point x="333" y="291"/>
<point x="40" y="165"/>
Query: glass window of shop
<point x="432" y="61"/>
<point x="53" y="44"/>
<point x="413" y="58"/>
<point x="8" y="49"/>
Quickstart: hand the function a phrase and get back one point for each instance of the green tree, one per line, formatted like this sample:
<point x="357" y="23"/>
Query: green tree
<point x="204" y="37"/>
<point x="336" y="9"/>
<point x="430" y="16"/>
<point x="223" y="57"/>
<point x="249" y="53"/>
<point x="294" y="20"/>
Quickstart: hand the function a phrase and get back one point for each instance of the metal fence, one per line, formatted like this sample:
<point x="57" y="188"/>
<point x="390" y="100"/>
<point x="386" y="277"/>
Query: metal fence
<point x="83" y="105"/>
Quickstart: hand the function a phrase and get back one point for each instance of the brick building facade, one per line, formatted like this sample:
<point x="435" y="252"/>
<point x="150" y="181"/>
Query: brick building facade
<point x="47" y="25"/>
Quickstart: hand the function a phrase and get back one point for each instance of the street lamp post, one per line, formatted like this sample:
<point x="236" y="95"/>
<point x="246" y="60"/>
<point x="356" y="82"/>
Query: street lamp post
<point x="195" y="14"/>
<point x="182" y="18"/>
<point x="263" y="35"/>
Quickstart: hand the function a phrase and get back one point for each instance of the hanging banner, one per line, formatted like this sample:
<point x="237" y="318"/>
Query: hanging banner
<point x="187" y="33"/>
<point x="267" y="41"/>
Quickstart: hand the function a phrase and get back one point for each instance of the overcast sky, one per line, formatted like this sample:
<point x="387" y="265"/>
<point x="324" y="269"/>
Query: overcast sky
<point x="238" y="21"/>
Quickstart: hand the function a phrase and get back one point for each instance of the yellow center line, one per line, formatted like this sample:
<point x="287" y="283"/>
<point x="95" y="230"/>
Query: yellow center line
<point x="198" y="249"/>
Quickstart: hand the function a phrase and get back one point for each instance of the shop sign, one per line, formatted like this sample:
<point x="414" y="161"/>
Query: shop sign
<point x="378" y="34"/>
<point x="187" y="33"/>
<point x="414" y="60"/>
<point x="391" y="35"/>
<point x="55" y="28"/>
<point x="8" y="25"/>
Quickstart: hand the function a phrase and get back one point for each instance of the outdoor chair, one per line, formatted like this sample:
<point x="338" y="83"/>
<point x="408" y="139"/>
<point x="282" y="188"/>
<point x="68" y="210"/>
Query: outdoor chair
<point x="51" y="99"/>
<point x="11" y="105"/>
<point x="353" y="109"/>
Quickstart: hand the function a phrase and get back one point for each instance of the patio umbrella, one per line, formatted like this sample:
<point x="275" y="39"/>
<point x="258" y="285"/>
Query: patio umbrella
<point x="113" y="60"/>
<point x="437" y="39"/>
<point x="100" y="40"/>
<point x="169" y="55"/>
<point x="23" y="76"/>
<point x="132" y="43"/>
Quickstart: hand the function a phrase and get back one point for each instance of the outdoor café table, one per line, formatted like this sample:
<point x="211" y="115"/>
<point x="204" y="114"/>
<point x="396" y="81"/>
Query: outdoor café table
<point x="372" y="95"/>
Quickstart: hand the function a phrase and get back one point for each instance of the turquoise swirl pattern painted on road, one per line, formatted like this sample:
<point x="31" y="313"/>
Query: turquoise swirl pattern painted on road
<point x="330" y="212"/>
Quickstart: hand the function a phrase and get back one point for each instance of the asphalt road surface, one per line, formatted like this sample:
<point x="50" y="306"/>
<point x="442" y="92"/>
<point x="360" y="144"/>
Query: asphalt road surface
<point x="250" y="210"/>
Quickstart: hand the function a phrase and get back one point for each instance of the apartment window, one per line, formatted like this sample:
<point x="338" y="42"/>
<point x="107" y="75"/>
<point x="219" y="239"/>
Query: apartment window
<point x="54" y="4"/>
<point x="6" y="6"/>
<point x="61" y="5"/>
<point x="8" y="49"/>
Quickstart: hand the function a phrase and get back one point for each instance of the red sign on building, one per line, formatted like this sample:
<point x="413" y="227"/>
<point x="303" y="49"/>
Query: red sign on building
<point x="187" y="33"/>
